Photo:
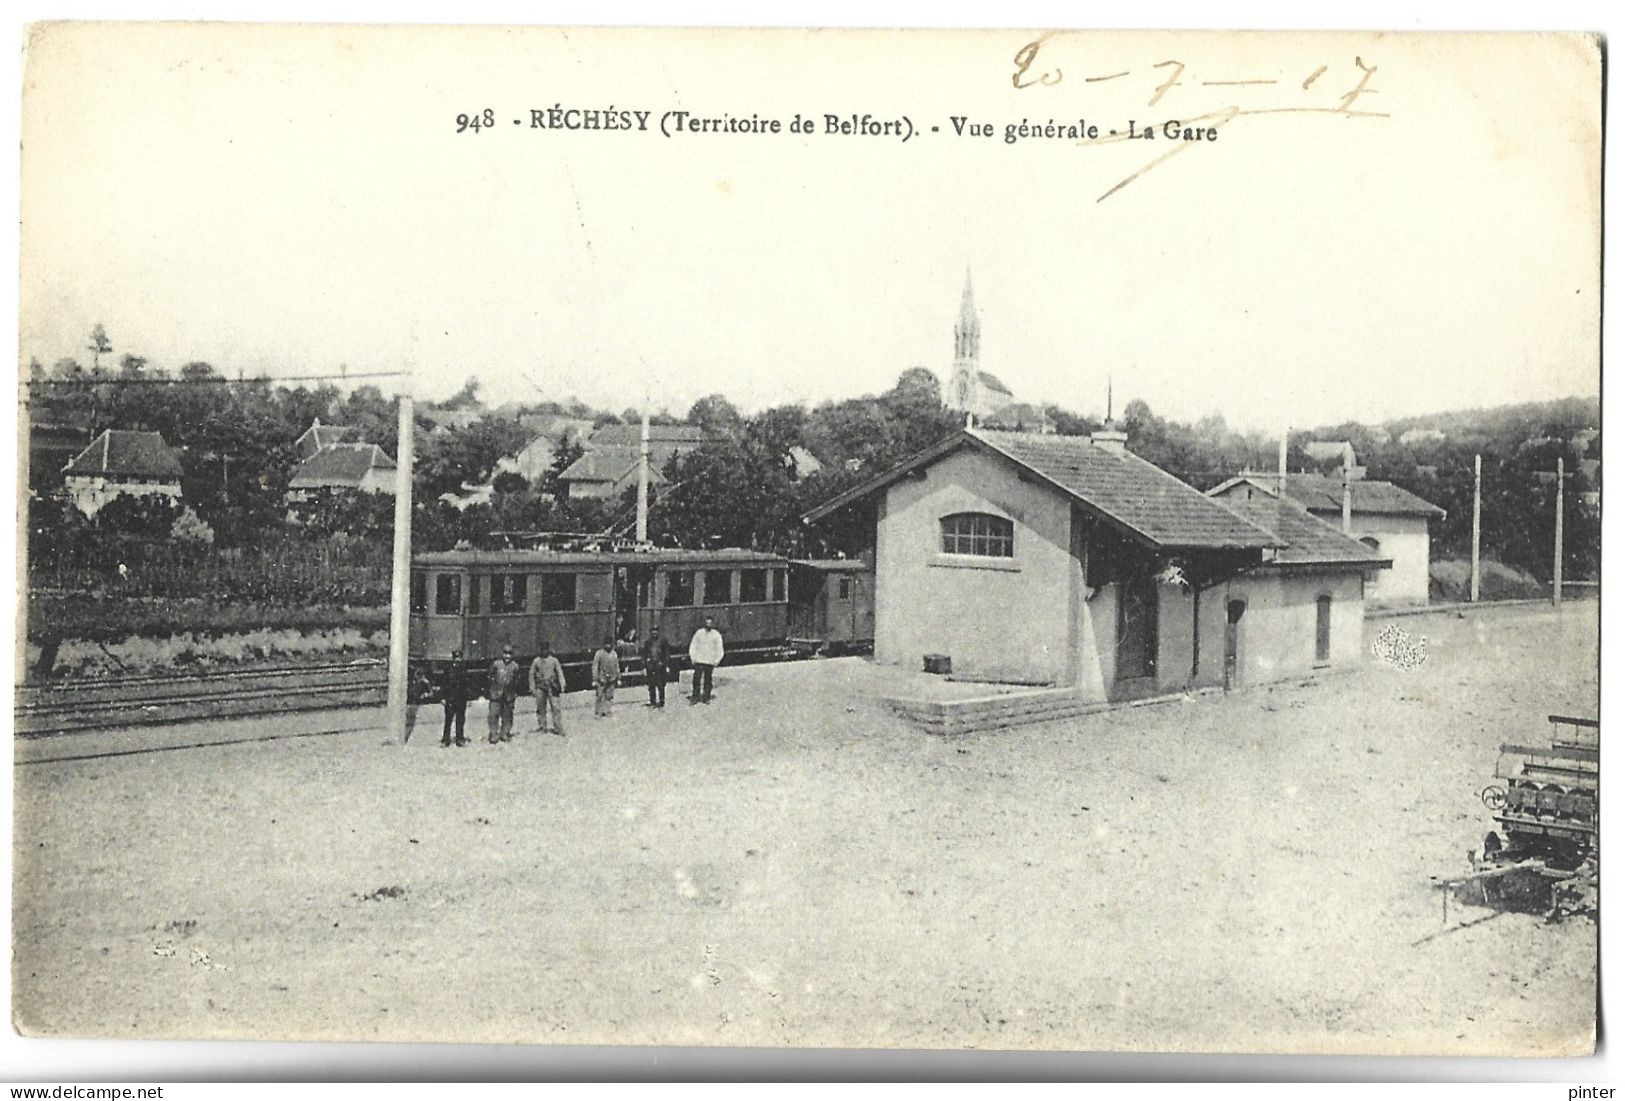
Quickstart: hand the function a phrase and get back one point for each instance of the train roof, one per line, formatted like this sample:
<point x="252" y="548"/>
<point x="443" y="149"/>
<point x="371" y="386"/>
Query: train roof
<point x="664" y="556"/>
<point x="834" y="565"/>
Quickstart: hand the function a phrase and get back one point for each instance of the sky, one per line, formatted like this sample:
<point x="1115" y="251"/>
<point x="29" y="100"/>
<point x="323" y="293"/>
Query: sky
<point x="288" y="200"/>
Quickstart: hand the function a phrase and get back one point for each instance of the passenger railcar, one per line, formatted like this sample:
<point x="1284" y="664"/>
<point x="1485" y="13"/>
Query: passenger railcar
<point x="480" y="602"/>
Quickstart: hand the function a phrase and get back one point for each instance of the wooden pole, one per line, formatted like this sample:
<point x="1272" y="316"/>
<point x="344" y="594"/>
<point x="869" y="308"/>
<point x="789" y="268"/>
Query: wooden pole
<point x="1281" y="471"/>
<point x="1478" y="488"/>
<point x="401" y="580"/>
<point x="643" y="478"/>
<point x="1557" y="541"/>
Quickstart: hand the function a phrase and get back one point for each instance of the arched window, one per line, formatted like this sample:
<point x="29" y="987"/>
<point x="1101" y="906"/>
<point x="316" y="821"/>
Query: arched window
<point x="979" y="534"/>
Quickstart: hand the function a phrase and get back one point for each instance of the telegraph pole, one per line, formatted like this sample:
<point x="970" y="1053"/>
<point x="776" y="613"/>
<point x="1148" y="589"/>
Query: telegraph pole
<point x="1478" y="487"/>
<point x="643" y="478"/>
<point x="1557" y="541"/>
<point x="400" y="592"/>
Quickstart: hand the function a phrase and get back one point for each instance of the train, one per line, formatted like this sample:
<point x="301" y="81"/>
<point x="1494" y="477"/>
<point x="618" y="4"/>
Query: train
<point x="766" y="606"/>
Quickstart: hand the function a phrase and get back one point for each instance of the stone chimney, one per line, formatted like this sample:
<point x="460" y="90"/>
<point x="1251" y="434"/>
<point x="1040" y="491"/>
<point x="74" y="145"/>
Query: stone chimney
<point x="1109" y="439"/>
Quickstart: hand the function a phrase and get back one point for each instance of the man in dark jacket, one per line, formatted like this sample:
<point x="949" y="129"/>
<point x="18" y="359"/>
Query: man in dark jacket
<point x="656" y="656"/>
<point x="454" y="695"/>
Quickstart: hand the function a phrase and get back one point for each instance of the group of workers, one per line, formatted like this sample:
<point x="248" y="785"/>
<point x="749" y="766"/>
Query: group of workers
<point x="546" y="682"/>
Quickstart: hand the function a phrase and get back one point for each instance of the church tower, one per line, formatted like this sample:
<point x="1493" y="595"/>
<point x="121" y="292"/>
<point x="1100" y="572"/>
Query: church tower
<point x="962" y="388"/>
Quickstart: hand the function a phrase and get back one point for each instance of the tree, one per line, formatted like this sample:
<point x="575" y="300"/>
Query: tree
<point x="99" y="345"/>
<point x="466" y="398"/>
<point x="716" y="414"/>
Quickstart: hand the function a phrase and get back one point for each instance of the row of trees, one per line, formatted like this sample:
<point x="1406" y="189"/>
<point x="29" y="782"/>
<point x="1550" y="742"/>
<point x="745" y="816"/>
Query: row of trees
<point x="742" y="487"/>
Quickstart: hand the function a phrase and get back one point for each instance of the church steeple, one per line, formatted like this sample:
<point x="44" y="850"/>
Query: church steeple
<point x="967" y="352"/>
<point x="968" y="333"/>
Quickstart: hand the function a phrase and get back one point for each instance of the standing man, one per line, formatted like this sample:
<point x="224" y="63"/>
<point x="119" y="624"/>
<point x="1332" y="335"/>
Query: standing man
<point x="547" y="685"/>
<point x="606" y="672"/>
<point x="504" y="689"/>
<point x="705" y="654"/>
<point x="454" y="695"/>
<point x="656" y="660"/>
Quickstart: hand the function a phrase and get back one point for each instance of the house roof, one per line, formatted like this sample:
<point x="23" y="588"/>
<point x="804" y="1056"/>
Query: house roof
<point x="992" y="383"/>
<point x="1305" y="539"/>
<point x="320" y="435"/>
<point x="609" y="464"/>
<point x="122" y="453"/>
<point x="1324" y="493"/>
<point x="340" y="465"/>
<point x="1137" y="497"/>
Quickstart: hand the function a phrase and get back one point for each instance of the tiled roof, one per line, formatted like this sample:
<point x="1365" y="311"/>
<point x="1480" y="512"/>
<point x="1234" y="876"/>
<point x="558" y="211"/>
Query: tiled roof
<point x="1307" y="538"/>
<point x="320" y="435"/>
<point x="992" y="382"/>
<point x="609" y="464"/>
<point x="341" y="465"/>
<point x="1131" y="493"/>
<point x="121" y="453"/>
<point x="1324" y="493"/>
<point x="1137" y="494"/>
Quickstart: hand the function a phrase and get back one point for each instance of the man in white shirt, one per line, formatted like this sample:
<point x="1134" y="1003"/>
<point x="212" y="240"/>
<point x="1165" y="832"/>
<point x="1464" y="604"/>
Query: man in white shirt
<point x="704" y="654"/>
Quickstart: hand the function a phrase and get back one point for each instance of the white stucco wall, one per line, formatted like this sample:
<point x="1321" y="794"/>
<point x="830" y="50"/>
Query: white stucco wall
<point x="1277" y="636"/>
<point x="1404" y="539"/>
<point x="996" y="618"/>
<point x="89" y="494"/>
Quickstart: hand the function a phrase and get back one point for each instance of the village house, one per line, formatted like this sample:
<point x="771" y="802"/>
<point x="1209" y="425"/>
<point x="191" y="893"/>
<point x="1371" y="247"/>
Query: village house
<point x="121" y="462"/>
<point x="1392" y="521"/>
<point x="352" y="467"/>
<point x="551" y="434"/>
<point x="607" y="472"/>
<point x="1071" y="561"/>
<point x="613" y="451"/>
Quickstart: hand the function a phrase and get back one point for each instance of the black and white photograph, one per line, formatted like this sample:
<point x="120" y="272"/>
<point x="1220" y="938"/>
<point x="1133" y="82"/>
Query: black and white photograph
<point x="1010" y="540"/>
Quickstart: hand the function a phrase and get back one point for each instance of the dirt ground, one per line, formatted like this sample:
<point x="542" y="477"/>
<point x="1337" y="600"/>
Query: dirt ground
<point x="794" y="866"/>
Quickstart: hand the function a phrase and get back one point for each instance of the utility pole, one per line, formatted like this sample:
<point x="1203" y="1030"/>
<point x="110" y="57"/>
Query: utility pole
<point x="1478" y="490"/>
<point x="643" y="478"/>
<point x="1348" y="498"/>
<point x="401" y="589"/>
<point x="1557" y="541"/>
<point x="1281" y="474"/>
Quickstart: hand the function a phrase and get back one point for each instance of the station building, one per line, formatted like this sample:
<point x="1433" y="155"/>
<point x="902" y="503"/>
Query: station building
<point x="1071" y="561"/>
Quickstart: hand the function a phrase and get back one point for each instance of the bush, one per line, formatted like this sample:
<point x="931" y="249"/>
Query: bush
<point x="1450" y="582"/>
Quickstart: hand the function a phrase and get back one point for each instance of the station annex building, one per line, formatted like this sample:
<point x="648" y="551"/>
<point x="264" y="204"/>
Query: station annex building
<point x="1071" y="561"/>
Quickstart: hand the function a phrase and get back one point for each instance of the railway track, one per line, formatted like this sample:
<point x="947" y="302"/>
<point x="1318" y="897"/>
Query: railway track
<point x="71" y="707"/>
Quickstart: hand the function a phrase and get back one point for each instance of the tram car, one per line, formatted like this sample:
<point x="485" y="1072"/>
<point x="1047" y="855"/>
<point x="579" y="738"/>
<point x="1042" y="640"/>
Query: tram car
<point x="481" y="602"/>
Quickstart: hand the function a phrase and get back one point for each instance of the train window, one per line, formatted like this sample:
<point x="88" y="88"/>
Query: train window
<point x="508" y="592"/>
<point x="473" y="596"/>
<point x="846" y="588"/>
<point x="679" y="589"/>
<point x="719" y="586"/>
<point x="558" y="592"/>
<point x="752" y="586"/>
<point x="448" y="594"/>
<point x="979" y="534"/>
<point x="778" y="585"/>
<point x="420" y="591"/>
